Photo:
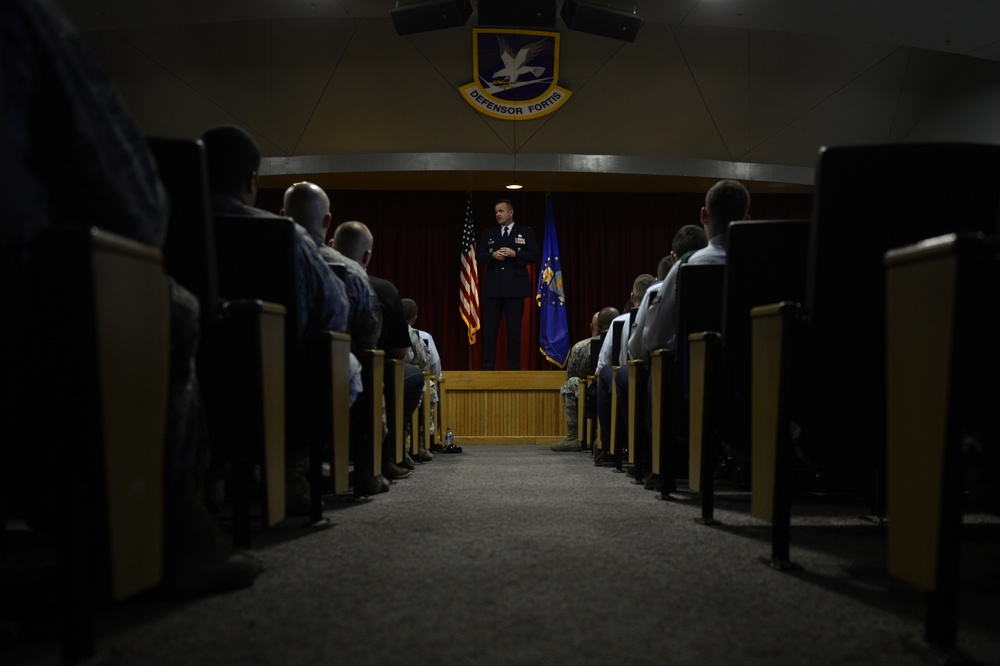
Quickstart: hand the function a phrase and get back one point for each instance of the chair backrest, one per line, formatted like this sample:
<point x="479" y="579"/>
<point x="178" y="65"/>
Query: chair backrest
<point x="631" y="325"/>
<point x="189" y="248"/>
<point x="699" y="307"/>
<point x="616" y="340"/>
<point x="765" y="263"/>
<point x="699" y="300"/>
<point x="870" y="199"/>
<point x="256" y="259"/>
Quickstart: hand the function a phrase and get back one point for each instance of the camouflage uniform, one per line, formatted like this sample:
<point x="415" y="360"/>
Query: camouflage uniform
<point x="576" y="369"/>
<point x="420" y="356"/>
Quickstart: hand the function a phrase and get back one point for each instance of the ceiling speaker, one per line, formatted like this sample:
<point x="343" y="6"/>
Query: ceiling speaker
<point x="597" y="20"/>
<point x="518" y="13"/>
<point x="430" y="15"/>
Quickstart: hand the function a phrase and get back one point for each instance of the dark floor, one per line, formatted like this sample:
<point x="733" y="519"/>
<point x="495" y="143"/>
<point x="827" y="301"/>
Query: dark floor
<point x="519" y="555"/>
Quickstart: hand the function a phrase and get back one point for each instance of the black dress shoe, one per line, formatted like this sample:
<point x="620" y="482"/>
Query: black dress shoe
<point x="451" y="448"/>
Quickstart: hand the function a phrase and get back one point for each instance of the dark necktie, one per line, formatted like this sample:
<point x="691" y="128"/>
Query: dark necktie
<point x="506" y="231"/>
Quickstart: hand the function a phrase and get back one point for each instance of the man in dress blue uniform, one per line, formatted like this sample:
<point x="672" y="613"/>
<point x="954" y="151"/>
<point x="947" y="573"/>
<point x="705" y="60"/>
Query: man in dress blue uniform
<point x="505" y="252"/>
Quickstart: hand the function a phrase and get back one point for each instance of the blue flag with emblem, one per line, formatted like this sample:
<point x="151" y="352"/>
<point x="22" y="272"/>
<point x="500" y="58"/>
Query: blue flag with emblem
<point x="553" y="329"/>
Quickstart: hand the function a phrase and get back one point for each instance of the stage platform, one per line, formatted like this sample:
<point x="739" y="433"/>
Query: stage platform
<point x="504" y="407"/>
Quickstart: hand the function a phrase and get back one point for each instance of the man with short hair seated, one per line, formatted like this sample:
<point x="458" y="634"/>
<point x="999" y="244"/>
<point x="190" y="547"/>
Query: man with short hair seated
<point x="656" y="320"/>
<point x="578" y="367"/>
<point x="233" y="159"/>
<point x="605" y="362"/>
<point x="309" y="205"/>
<point x="354" y="240"/>
<point x="423" y="354"/>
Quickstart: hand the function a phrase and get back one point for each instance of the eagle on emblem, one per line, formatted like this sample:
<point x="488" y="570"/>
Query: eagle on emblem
<point x="516" y="66"/>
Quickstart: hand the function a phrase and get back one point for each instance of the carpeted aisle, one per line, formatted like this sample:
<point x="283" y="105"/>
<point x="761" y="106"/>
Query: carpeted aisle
<point x="518" y="555"/>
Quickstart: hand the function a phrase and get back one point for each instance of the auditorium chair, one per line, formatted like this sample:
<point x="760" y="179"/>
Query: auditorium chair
<point x="189" y="246"/>
<point x="331" y="377"/>
<point x="394" y="416"/>
<point x="942" y="393"/>
<point x="98" y="393"/>
<point x="367" y="419"/>
<point x="660" y="364"/>
<point x="587" y="425"/>
<point x="825" y="356"/>
<point x="420" y="421"/>
<point x="335" y="388"/>
<point x="720" y="358"/>
<point x="616" y="444"/>
<point x="424" y="416"/>
<point x="638" y="373"/>
<point x="241" y="355"/>
<point x="256" y="259"/>
<point x="699" y="307"/>
<point x="440" y="415"/>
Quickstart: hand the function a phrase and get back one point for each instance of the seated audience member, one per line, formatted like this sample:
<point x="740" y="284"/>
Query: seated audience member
<point x="435" y="368"/>
<point x="354" y="240"/>
<point x="420" y="353"/>
<point x="605" y="362"/>
<point x="689" y="239"/>
<point x="656" y="320"/>
<point x="72" y="156"/>
<point x="425" y="356"/>
<point x="578" y="367"/>
<point x="309" y="205"/>
<point x="233" y="159"/>
<point x="663" y="266"/>
<point x="434" y="361"/>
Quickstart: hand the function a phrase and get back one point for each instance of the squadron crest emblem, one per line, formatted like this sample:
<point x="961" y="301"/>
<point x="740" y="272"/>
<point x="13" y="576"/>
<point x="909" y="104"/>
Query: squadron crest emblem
<point x="516" y="74"/>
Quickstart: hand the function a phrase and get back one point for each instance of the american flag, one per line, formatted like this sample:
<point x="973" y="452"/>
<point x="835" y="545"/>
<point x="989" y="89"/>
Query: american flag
<point x="469" y="278"/>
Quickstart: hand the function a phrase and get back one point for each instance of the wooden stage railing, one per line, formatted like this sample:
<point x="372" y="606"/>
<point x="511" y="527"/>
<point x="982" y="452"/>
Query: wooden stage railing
<point x="505" y="407"/>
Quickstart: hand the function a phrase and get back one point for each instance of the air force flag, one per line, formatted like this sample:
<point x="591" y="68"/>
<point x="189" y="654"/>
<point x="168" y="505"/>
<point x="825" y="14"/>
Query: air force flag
<point x="553" y="329"/>
<point x="516" y="73"/>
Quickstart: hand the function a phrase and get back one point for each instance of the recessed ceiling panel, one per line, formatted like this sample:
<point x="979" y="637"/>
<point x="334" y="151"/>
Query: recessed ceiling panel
<point x="859" y="113"/>
<point x="718" y="59"/>
<point x="644" y="101"/>
<point x="387" y="97"/>
<point x="792" y="74"/>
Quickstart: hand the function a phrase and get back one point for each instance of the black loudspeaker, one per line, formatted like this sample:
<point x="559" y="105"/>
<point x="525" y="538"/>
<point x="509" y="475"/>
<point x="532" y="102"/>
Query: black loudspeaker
<point x="518" y="13"/>
<point x="602" y="21"/>
<point x="430" y="15"/>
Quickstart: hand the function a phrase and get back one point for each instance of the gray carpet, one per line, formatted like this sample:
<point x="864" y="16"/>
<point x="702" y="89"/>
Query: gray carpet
<point x="518" y="555"/>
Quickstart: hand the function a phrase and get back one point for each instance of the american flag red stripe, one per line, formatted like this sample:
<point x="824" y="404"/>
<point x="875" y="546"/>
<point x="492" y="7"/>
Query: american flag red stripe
<point x="469" y="278"/>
